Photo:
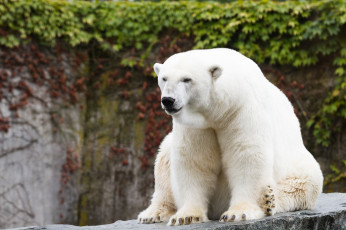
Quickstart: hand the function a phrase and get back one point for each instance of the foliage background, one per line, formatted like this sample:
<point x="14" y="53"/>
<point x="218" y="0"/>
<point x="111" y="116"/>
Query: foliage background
<point x="112" y="46"/>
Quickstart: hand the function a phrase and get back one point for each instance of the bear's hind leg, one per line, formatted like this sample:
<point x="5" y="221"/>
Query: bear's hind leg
<point x="296" y="193"/>
<point x="301" y="187"/>
<point x="298" y="190"/>
<point x="162" y="205"/>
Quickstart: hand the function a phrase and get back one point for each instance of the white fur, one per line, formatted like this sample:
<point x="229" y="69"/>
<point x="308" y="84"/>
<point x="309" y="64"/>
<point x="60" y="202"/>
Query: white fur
<point x="235" y="140"/>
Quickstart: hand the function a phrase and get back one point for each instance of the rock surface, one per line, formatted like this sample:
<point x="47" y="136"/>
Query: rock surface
<point x="329" y="213"/>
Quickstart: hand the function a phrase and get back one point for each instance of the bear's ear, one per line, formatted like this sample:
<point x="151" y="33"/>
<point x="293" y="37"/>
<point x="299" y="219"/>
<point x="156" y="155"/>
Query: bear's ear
<point x="157" y="67"/>
<point x="215" y="72"/>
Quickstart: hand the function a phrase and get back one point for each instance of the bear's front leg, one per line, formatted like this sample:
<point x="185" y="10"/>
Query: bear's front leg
<point x="162" y="205"/>
<point x="195" y="165"/>
<point x="249" y="171"/>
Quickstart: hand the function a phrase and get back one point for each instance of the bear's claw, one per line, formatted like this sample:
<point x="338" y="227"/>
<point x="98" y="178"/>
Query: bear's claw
<point x="155" y="215"/>
<point x="242" y="212"/>
<point x="187" y="216"/>
<point x="184" y="221"/>
<point x="268" y="205"/>
<point x="224" y="218"/>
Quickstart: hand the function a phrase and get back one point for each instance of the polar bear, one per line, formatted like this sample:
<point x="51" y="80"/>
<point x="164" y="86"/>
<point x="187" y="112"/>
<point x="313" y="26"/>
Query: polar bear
<point x="235" y="152"/>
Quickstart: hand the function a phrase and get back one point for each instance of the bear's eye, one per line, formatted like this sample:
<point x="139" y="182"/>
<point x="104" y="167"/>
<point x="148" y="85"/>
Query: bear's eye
<point x="164" y="79"/>
<point x="186" y="80"/>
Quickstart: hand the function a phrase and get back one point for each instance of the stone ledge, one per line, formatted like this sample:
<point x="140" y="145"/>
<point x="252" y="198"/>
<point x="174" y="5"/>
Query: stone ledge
<point x="330" y="213"/>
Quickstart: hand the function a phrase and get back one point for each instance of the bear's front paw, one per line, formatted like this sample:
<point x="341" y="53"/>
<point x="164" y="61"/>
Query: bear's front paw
<point x="244" y="211"/>
<point x="188" y="216"/>
<point x="155" y="214"/>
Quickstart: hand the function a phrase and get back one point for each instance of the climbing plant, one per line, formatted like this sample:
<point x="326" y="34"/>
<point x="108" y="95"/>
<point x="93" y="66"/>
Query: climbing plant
<point x="279" y="33"/>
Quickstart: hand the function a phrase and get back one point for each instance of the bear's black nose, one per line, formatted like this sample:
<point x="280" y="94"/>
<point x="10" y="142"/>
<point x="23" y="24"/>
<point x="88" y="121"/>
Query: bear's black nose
<point x="168" y="102"/>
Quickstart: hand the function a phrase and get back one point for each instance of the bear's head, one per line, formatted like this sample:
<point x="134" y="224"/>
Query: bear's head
<point x="186" y="88"/>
